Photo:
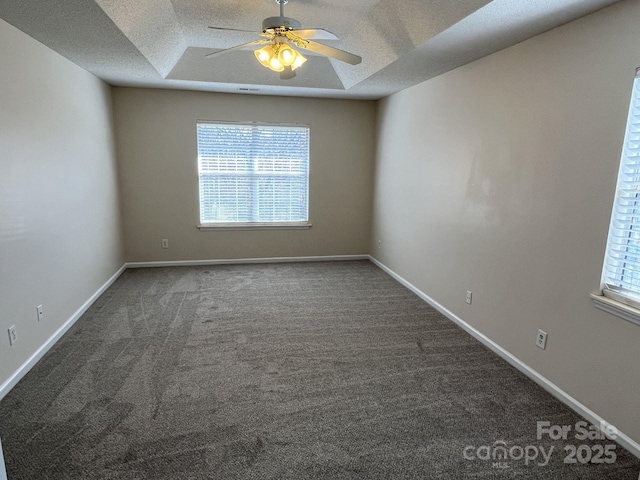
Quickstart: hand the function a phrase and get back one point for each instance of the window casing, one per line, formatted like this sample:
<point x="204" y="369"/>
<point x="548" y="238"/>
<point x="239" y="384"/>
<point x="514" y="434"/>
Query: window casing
<point x="253" y="175"/>
<point x="621" y="271"/>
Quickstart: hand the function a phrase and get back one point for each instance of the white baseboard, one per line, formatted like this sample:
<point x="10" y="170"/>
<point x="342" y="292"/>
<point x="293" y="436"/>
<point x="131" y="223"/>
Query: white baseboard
<point x="624" y="440"/>
<point x="238" y="261"/>
<point x="3" y="471"/>
<point x="44" y="348"/>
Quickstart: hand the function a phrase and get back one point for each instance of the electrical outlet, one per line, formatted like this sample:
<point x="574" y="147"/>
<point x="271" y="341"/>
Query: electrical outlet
<point x="541" y="339"/>
<point x="40" y="313"/>
<point x="469" y="297"/>
<point x="379" y="243"/>
<point x="13" y="336"/>
<point x="165" y="243"/>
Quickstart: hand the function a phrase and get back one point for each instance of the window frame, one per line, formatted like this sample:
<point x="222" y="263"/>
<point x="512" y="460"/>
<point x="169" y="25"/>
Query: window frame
<point x="614" y="299"/>
<point x="275" y="225"/>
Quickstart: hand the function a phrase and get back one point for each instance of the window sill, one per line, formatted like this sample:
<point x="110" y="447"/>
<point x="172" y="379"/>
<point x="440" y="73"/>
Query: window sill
<point x="616" y="308"/>
<point x="255" y="226"/>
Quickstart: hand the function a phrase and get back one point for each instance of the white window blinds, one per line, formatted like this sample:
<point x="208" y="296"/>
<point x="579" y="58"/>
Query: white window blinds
<point x="621" y="274"/>
<point x="253" y="173"/>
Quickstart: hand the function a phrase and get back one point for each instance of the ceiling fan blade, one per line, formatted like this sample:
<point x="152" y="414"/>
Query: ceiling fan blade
<point x="331" y="52"/>
<point x="232" y="29"/>
<point x="237" y="47"/>
<point x="315" y="34"/>
<point x="287" y="73"/>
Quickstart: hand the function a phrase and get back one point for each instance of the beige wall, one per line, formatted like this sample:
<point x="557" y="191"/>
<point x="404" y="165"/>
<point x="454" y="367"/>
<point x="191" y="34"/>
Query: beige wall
<point x="156" y="132"/>
<point x="499" y="178"/>
<point x="59" y="215"/>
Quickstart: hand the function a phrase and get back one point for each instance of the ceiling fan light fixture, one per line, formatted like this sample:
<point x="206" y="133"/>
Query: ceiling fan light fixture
<point x="299" y="60"/>
<point x="263" y="55"/>
<point x="275" y="64"/>
<point x="286" y="55"/>
<point x="277" y="56"/>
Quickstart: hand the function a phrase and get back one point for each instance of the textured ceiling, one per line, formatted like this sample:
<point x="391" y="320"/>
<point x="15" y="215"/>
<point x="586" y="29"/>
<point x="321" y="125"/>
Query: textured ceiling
<point x="163" y="43"/>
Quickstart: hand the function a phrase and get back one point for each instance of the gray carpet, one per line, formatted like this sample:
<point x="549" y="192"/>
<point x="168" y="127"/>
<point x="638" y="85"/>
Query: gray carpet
<point x="283" y="371"/>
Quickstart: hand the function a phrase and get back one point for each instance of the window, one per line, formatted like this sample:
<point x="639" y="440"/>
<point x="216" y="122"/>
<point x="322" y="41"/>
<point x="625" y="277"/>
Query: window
<point x="621" y="272"/>
<point x="253" y="175"/>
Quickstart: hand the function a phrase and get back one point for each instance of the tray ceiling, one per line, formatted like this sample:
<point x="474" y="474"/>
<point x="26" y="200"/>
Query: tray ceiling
<point x="163" y="43"/>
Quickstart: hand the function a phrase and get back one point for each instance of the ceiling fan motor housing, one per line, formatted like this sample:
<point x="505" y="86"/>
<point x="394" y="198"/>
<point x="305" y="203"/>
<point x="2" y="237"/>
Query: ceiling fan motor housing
<point x="280" y="22"/>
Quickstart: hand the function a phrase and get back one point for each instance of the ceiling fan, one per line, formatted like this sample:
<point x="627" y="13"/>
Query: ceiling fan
<point x="283" y="36"/>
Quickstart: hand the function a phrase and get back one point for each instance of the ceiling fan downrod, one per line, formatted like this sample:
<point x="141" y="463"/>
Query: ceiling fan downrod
<point x="282" y="3"/>
<point x="281" y="22"/>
